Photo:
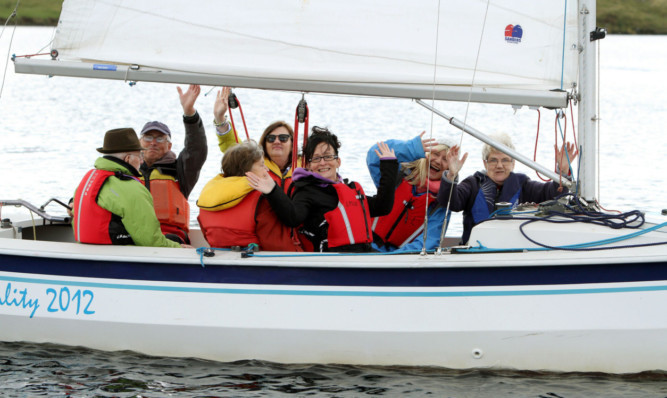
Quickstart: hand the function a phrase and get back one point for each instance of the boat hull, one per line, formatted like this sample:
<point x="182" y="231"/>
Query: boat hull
<point x="520" y="310"/>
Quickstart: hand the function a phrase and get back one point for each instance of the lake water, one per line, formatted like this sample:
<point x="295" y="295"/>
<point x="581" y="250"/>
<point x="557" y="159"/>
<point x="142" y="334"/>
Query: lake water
<point x="51" y="127"/>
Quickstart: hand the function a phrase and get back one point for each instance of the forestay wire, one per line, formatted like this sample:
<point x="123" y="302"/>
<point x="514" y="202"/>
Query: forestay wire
<point x="9" y="47"/>
<point x="465" y="122"/>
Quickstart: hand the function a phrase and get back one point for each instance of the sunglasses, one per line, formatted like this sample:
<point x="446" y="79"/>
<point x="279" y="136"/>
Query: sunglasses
<point x="281" y="137"/>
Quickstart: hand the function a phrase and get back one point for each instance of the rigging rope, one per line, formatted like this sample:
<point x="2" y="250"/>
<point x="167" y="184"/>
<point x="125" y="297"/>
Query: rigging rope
<point x="465" y="123"/>
<point x="597" y="115"/>
<point x="562" y="58"/>
<point x="233" y="103"/>
<point x="537" y="137"/>
<point x="9" y="47"/>
<point x="301" y="115"/>
<point x="576" y="213"/>
<point x="561" y="115"/>
<point x="428" y="181"/>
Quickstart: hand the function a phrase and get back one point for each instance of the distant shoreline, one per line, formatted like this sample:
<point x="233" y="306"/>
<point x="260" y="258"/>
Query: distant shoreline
<point x="617" y="16"/>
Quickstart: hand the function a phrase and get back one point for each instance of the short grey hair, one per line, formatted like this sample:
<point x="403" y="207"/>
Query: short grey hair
<point x="501" y="138"/>
<point x="240" y="158"/>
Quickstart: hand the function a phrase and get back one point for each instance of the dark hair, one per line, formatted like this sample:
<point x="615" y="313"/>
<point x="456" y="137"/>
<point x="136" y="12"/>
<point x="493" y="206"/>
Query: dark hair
<point x="318" y="136"/>
<point x="239" y="159"/>
<point x="269" y="129"/>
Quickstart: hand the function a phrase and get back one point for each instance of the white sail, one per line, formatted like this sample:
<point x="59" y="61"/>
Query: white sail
<point x="391" y="48"/>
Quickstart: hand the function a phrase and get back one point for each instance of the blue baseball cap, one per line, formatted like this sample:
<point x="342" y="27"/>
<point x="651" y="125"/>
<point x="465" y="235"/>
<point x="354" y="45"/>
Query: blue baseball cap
<point x="156" y="126"/>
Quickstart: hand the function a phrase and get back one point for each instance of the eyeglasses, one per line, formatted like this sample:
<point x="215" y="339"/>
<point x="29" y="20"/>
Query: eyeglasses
<point x="150" y="138"/>
<point x="494" y="161"/>
<point x="281" y="137"/>
<point x="318" y="159"/>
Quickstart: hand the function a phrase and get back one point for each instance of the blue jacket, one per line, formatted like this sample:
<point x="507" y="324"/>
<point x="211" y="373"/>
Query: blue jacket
<point x="477" y="195"/>
<point x="407" y="151"/>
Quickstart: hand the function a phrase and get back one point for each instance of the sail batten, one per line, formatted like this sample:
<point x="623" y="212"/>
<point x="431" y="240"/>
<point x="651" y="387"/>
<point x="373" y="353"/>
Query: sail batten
<point x="381" y="48"/>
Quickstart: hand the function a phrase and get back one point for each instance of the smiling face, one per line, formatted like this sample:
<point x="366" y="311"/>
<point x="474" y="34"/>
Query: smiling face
<point x="153" y="150"/>
<point x="277" y="150"/>
<point x="326" y="168"/>
<point x="498" y="166"/>
<point x="438" y="164"/>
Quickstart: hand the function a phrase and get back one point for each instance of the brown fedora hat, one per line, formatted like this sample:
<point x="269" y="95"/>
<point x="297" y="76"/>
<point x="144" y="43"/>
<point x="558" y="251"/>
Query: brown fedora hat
<point x="120" y="140"/>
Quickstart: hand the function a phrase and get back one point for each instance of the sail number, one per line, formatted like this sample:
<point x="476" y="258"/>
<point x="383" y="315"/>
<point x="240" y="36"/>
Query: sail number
<point x="64" y="300"/>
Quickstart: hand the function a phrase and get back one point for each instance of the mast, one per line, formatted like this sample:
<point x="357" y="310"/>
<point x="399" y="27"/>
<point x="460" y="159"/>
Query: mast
<point x="588" y="99"/>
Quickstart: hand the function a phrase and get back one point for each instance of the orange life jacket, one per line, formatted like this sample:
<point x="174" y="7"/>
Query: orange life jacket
<point x="92" y="223"/>
<point x="171" y="206"/>
<point x="406" y="218"/>
<point x="350" y="222"/>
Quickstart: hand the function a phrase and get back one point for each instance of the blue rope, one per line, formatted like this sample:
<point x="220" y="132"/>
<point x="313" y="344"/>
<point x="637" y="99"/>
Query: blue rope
<point x="480" y="248"/>
<point x="590" y="246"/>
<point x="632" y="219"/>
<point x="202" y="250"/>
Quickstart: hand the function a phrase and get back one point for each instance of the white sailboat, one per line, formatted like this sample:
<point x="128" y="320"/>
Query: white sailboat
<point x="576" y="297"/>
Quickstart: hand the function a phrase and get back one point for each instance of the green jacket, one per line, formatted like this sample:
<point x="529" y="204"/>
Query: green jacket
<point x="130" y="200"/>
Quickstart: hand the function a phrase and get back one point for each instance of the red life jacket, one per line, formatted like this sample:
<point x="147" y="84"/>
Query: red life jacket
<point x="171" y="206"/>
<point x="238" y="226"/>
<point x="231" y="227"/>
<point x="273" y="235"/>
<point x="406" y="218"/>
<point x="283" y="183"/>
<point x="92" y="223"/>
<point x="350" y="222"/>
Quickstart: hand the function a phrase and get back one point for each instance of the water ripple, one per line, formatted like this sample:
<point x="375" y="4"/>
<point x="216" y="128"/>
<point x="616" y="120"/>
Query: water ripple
<point x="52" y="370"/>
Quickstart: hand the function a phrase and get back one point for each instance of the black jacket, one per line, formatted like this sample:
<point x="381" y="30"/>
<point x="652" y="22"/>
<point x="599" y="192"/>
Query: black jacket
<point x="314" y="196"/>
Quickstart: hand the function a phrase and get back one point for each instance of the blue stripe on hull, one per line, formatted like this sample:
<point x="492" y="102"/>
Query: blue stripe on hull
<point x="343" y="293"/>
<point x="316" y="276"/>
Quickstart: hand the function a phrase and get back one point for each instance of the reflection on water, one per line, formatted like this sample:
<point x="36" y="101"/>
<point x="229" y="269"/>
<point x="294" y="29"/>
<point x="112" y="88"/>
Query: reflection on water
<point x="45" y="369"/>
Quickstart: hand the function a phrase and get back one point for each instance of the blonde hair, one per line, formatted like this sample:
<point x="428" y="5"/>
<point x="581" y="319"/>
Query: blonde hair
<point x="501" y="138"/>
<point x="417" y="170"/>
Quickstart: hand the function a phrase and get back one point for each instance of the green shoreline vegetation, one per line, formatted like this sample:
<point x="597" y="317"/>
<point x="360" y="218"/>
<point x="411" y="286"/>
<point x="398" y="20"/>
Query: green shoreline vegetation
<point x="617" y="16"/>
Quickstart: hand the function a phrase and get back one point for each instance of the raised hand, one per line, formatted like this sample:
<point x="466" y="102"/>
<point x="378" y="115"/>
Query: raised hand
<point x="427" y="143"/>
<point x="188" y="98"/>
<point x="385" y="151"/>
<point x="262" y="183"/>
<point x="562" y="157"/>
<point x="221" y="104"/>
<point x="455" y="163"/>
